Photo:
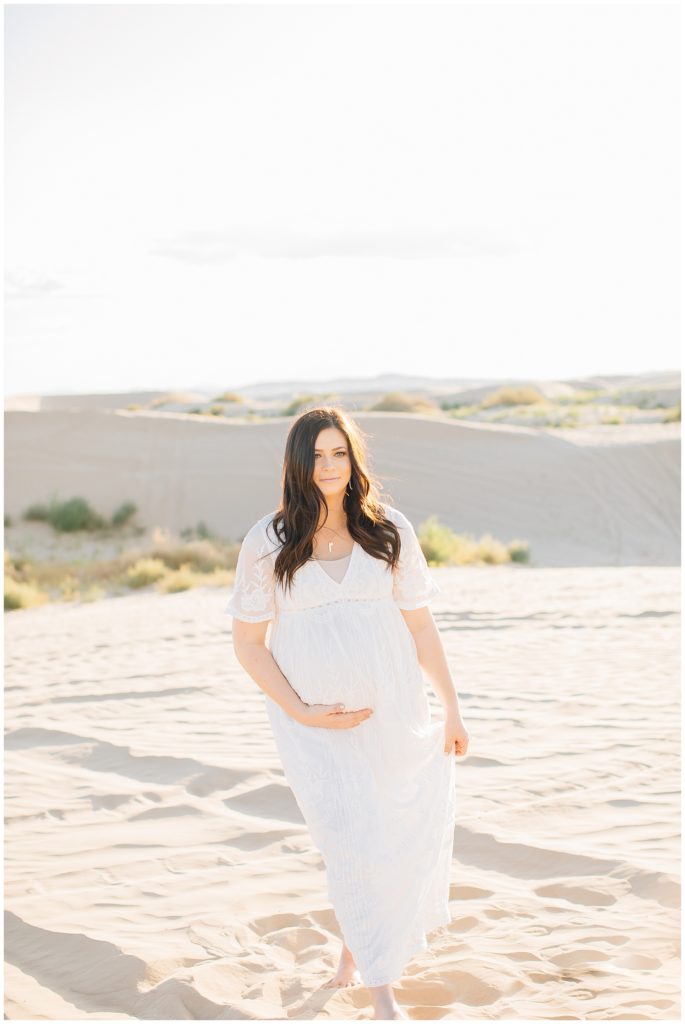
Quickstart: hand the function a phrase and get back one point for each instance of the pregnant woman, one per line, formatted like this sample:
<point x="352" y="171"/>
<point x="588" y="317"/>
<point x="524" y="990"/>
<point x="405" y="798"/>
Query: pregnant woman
<point x="344" y="583"/>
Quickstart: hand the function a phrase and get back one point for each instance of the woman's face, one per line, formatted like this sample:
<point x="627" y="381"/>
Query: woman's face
<point x="332" y="463"/>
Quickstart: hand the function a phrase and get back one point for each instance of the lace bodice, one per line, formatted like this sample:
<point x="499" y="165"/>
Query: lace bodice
<point x="256" y="597"/>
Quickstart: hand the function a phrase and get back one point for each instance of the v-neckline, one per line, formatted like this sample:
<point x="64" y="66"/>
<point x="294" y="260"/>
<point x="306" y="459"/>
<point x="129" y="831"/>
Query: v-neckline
<point x="337" y="583"/>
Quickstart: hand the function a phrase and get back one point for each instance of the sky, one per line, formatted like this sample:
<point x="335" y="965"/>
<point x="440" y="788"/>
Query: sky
<point x="210" y="196"/>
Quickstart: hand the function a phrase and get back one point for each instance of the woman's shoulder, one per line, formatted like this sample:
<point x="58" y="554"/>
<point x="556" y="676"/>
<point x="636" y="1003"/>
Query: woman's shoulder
<point x="394" y="515"/>
<point x="262" y="532"/>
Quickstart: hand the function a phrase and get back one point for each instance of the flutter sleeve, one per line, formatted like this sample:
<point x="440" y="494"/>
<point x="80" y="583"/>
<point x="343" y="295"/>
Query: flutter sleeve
<point x="253" y="597"/>
<point x="413" y="585"/>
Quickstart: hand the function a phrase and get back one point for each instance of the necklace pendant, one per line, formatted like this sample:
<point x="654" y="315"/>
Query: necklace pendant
<point x="330" y="546"/>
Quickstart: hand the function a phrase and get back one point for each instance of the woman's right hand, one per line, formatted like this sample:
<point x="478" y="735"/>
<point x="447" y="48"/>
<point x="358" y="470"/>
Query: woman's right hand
<point x="331" y="716"/>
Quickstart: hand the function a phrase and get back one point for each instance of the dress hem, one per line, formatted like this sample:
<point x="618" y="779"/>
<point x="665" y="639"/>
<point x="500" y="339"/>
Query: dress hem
<point x="420" y="947"/>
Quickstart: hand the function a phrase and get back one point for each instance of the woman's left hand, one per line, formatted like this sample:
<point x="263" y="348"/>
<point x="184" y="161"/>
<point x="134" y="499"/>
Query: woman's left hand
<point x="456" y="736"/>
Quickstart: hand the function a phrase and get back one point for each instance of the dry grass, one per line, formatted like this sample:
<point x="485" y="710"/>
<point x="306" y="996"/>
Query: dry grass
<point x="168" y="566"/>
<point x="398" y="401"/>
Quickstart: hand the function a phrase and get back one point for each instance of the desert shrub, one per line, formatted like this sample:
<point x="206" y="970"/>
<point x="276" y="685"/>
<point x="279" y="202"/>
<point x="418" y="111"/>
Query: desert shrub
<point x="184" y="578"/>
<point x="399" y="401"/>
<point x="491" y="551"/>
<point x="22" y="595"/>
<point x="524" y="395"/>
<point x="124" y="513"/>
<point x="442" y="546"/>
<point x="216" y="410"/>
<point x="66" y="516"/>
<point x="578" y="397"/>
<point x="201" y="555"/>
<point x="171" y="398"/>
<point x="37" y="513"/>
<point x="8" y="520"/>
<point x="229" y="396"/>
<point x="133" y="406"/>
<point x="180" y="579"/>
<point x="437" y="541"/>
<point x="201" y="531"/>
<point x="144" y="572"/>
<point x="519" y="550"/>
<point x="672" y="415"/>
<point x="463" y="411"/>
<point x="612" y="419"/>
<point x="75" y="514"/>
<point x="465" y="550"/>
<point x="69" y="587"/>
<point x="299" y="404"/>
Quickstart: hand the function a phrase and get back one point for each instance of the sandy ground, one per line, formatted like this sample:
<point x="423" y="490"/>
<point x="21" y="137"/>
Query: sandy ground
<point x="157" y="865"/>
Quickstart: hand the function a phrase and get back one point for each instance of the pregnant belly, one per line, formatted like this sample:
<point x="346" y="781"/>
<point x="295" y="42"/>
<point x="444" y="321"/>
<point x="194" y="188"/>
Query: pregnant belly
<point x="357" y="653"/>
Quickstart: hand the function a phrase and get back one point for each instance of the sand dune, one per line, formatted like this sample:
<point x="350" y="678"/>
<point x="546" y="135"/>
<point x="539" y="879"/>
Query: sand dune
<point x="579" y="497"/>
<point x="157" y="865"/>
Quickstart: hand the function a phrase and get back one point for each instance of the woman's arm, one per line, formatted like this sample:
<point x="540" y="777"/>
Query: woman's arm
<point x="431" y="654"/>
<point x="258" y="661"/>
<point x="432" y="660"/>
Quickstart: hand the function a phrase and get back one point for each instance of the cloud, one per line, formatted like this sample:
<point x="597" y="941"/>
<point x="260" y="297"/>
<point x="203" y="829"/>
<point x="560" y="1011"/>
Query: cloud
<point x="27" y="284"/>
<point x="209" y="247"/>
<point x="23" y="285"/>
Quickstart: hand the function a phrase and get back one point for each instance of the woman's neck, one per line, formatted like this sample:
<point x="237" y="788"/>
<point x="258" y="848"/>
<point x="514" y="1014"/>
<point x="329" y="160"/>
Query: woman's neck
<point x="337" y="518"/>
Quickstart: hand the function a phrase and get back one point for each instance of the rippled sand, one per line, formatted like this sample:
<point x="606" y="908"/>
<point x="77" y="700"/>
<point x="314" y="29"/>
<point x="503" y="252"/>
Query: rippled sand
<point x="157" y="865"/>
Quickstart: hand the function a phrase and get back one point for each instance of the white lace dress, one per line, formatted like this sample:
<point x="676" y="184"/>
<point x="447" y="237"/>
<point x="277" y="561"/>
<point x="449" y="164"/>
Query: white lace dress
<point x="378" y="799"/>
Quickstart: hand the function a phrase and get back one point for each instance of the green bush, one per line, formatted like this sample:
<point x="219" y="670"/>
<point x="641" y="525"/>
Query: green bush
<point x="75" y="514"/>
<point x="67" y="516"/>
<point x="442" y="546"/>
<point x="519" y="550"/>
<point x="124" y="513"/>
<point x="37" y="513"/>
<point x="437" y="541"/>
<point x="199" y="532"/>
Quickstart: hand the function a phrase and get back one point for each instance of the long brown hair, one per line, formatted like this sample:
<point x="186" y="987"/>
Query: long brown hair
<point x="297" y="517"/>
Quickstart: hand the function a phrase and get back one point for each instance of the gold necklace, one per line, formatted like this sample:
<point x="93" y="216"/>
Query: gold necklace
<point x="330" y="542"/>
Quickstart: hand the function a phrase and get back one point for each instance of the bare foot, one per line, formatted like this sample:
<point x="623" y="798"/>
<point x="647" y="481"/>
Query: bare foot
<point x="394" y="1013"/>
<point x="347" y="973"/>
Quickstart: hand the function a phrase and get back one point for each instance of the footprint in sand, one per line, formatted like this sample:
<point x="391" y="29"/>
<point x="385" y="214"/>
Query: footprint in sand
<point x="274" y="922"/>
<point x="297" y="940"/>
<point x="454" y="986"/>
<point x="578" y="956"/>
<point x="583" y="894"/>
<point x="469" y="892"/>
<point x="430" y="1012"/>
<point x="463" y="924"/>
